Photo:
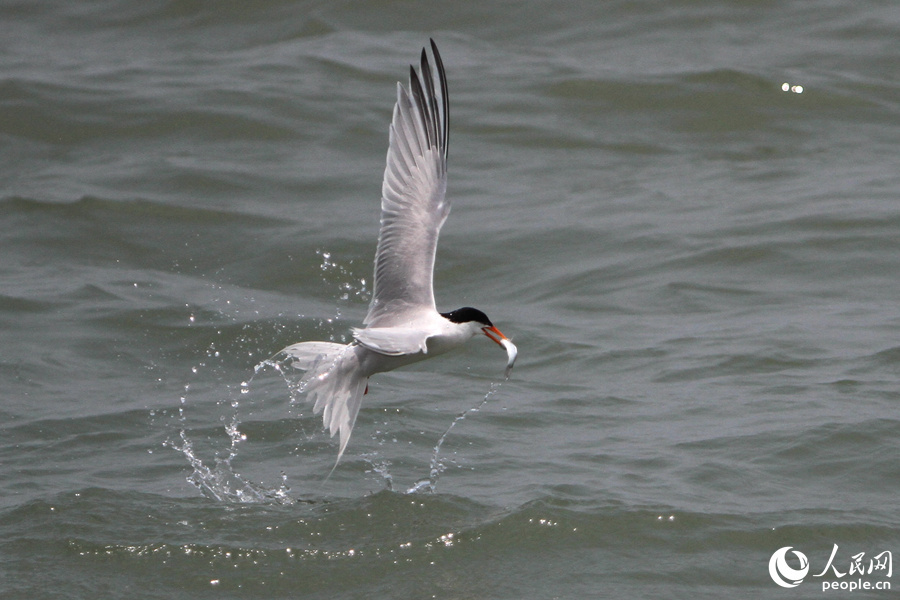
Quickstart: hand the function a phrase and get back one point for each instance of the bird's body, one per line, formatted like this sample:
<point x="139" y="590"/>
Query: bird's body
<point x="403" y="325"/>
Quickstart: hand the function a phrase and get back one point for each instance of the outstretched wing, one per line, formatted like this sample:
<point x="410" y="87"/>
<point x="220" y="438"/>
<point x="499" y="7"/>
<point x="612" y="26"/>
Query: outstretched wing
<point x="413" y="203"/>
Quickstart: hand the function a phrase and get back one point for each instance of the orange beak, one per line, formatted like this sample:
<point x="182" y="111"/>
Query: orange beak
<point x="495" y="334"/>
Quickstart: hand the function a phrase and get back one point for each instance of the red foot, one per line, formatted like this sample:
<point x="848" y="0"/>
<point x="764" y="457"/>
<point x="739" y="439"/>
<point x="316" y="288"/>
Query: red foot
<point x="367" y="390"/>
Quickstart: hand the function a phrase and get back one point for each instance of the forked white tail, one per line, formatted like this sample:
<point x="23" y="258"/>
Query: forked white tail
<point x="334" y="381"/>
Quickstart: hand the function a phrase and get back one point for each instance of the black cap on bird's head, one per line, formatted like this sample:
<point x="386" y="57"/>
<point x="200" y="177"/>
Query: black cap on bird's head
<point x="467" y="314"/>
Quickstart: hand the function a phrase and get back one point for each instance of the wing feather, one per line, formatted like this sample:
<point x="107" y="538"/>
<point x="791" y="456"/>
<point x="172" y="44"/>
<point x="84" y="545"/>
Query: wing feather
<point x="413" y="197"/>
<point x="393" y="341"/>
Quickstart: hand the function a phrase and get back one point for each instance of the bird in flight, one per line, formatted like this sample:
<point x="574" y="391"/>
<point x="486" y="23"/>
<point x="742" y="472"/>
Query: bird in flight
<point x="403" y="325"/>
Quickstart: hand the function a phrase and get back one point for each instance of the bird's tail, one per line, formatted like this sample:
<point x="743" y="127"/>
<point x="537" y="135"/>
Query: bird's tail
<point x="333" y="381"/>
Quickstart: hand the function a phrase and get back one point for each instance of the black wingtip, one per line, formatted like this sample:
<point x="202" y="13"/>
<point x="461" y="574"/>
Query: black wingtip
<point x="445" y="101"/>
<point x="423" y="92"/>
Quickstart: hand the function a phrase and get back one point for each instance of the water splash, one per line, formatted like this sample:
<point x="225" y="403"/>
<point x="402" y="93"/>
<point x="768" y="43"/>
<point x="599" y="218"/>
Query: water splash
<point x="220" y="481"/>
<point x="429" y="484"/>
<point x="212" y="463"/>
<point x="351" y="290"/>
<point x="380" y="466"/>
<point x="213" y="470"/>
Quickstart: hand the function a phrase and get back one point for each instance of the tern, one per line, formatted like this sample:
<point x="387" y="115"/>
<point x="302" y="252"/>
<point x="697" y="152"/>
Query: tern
<point x="403" y="325"/>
